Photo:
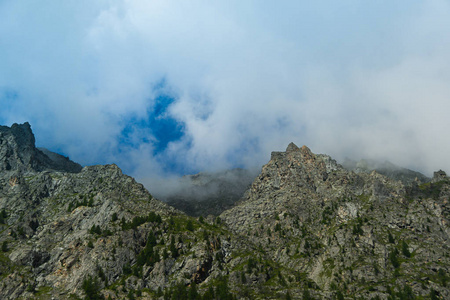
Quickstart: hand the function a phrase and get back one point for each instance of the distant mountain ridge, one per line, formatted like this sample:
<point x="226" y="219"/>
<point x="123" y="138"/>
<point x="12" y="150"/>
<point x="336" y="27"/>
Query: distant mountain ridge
<point x="386" y="168"/>
<point x="206" y="194"/>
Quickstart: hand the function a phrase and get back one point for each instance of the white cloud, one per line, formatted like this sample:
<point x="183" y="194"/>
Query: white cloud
<point x="346" y="78"/>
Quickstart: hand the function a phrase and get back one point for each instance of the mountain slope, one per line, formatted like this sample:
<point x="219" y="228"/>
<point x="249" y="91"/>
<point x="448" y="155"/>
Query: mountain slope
<point x="98" y="233"/>
<point x="352" y="234"/>
<point x="306" y="229"/>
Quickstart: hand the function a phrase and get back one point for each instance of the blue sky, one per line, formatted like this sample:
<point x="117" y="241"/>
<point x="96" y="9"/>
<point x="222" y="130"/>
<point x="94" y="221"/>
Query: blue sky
<point x="165" y="88"/>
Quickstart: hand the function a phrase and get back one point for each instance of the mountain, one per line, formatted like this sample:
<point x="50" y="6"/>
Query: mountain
<point x="386" y="168"/>
<point x="206" y="194"/>
<point x="18" y="152"/>
<point x="306" y="228"/>
<point x="351" y="234"/>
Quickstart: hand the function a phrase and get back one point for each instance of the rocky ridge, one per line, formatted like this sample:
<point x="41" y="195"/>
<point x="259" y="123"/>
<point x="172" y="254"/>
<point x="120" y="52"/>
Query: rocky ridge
<point x="350" y="233"/>
<point x="306" y="229"/>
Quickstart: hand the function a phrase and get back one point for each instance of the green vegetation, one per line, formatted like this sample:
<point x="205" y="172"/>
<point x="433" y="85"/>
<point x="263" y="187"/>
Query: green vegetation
<point x="391" y="238"/>
<point x="327" y="214"/>
<point x="84" y="202"/>
<point x="172" y="247"/>
<point x="95" y="229"/>
<point x="3" y="216"/>
<point x="405" y="249"/>
<point x="217" y="290"/>
<point x="357" y="228"/>
<point x="432" y="190"/>
<point x="442" y="277"/>
<point x="190" y="225"/>
<point x="91" y="287"/>
<point x="393" y="257"/>
<point x="139" y="220"/>
<point x="5" y="246"/>
<point x="148" y="256"/>
<point x="404" y="293"/>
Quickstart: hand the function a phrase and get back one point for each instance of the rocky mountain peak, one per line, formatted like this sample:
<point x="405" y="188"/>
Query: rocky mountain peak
<point x="292" y="148"/>
<point x="305" y="149"/>
<point x="18" y="152"/>
<point x="23" y="134"/>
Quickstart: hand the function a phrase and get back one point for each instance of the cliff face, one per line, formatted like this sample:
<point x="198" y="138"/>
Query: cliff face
<point x="306" y="229"/>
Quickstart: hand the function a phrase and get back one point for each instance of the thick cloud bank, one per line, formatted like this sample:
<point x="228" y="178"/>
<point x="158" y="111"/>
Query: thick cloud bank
<point x="170" y="87"/>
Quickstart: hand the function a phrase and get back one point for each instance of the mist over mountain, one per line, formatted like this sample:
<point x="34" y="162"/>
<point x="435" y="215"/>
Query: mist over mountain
<point x="208" y="193"/>
<point x="386" y="168"/>
<point x="212" y="193"/>
<point x="163" y="89"/>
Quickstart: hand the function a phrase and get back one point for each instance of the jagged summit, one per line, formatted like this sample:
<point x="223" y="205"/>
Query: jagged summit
<point x="18" y="152"/>
<point x="292" y="147"/>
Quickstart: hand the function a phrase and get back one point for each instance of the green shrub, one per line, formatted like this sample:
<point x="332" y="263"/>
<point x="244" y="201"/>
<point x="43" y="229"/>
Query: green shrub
<point x="5" y="246"/>
<point x="126" y="269"/>
<point x="393" y="257"/>
<point x="190" y="225"/>
<point x="307" y="295"/>
<point x="391" y="238"/>
<point x="405" y="249"/>
<point x="91" y="287"/>
<point x="442" y="277"/>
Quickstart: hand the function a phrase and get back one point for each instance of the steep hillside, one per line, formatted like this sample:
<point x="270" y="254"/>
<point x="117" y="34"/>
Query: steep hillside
<point x="99" y="234"/>
<point x="351" y="234"/>
<point x="306" y="229"/>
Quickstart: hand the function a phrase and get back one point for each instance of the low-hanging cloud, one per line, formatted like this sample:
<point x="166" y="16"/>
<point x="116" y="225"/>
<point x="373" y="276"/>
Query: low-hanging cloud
<point x="244" y="78"/>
